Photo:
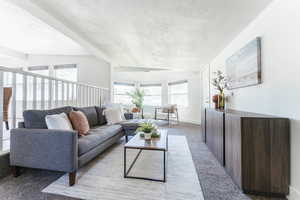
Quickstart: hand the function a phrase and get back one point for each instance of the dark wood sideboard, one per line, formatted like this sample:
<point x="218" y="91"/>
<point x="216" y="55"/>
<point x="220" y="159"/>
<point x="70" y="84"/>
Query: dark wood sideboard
<point x="215" y="134"/>
<point x="253" y="148"/>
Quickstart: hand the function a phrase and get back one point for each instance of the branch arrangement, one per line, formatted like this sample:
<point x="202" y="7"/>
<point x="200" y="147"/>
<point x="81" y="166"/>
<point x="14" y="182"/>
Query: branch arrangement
<point x="220" y="82"/>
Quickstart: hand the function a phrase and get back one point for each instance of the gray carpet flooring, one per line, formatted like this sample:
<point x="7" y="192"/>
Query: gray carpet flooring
<point x="216" y="184"/>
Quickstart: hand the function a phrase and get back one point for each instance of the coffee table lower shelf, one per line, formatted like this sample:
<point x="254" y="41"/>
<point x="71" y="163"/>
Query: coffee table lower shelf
<point x="126" y="172"/>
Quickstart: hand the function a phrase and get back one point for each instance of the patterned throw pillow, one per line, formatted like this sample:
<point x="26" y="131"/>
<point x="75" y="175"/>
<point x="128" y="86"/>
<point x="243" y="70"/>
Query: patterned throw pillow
<point x="79" y="122"/>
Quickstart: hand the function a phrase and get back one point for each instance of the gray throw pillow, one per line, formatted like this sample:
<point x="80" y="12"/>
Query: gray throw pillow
<point x="101" y="116"/>
<point x="90" y="113"/>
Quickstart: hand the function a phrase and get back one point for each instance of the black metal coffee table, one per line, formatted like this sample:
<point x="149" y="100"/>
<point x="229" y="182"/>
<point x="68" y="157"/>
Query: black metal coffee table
<point x="156" y="144"/>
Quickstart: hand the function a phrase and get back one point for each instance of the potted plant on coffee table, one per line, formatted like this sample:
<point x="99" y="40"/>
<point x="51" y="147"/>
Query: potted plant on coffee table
<point x="148" y="130"/>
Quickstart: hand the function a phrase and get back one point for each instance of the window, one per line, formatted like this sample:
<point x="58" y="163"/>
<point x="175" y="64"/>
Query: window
<point x="120" y="93"/>
<point x="41" y="70"/>
<point x="152" y="94"/>
<point x="66" y="72"/>
<point x="178" y="93"/>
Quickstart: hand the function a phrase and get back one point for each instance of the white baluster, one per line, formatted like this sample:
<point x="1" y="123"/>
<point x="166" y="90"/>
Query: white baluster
<point x="42" y="93"/>
<point x="74" y="103"/>
<point x="84" y="95"/>
<point x="56" y="93"/>
<point x="34" y="93"/>
<point x="62" y="93"/>
<point x="24" y="92"/>
<point x="68" y="97"/>
<point x="50" y="93"/>
<point x="89" y="95"/>
<point x="14" y="100"/>
<point x="94" y="96"/>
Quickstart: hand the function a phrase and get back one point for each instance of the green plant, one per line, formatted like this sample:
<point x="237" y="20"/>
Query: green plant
<point x="137" y="96"/>
<point x="220" y="81"/>
<point x="146" y="127"/>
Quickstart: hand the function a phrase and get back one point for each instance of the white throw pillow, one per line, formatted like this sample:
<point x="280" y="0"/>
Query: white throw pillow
<point x="58" y="121"/>
<point x="115" y="105"/>
<point x="113" y="115"/>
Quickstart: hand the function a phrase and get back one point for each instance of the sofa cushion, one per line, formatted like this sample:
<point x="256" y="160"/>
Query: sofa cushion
<point x="101" y="116"/>
<point x="36" y="118"/>
<point x="97" y="136"/>
<point x="90" y="113"/>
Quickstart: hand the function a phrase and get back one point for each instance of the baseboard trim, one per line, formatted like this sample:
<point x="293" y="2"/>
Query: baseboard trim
<point x="294" y="194"/>
<point x="191" y="122"/>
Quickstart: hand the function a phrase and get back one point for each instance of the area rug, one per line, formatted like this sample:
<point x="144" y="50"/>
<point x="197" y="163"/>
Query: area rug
<point x="103" y="177"/>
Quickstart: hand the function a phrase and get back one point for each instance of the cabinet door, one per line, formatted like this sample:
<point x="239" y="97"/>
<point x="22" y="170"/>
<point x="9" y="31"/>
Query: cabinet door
<point x="209" y="129"/>
<point x="215" y="133"/>
<point x="233" y="162"/>
<point x="256" y="155"/>
<point x="280" y="156"/>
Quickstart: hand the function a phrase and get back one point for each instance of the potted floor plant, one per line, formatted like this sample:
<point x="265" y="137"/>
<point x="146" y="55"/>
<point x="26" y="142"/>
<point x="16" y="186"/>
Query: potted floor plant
<point x="137" y="96"/>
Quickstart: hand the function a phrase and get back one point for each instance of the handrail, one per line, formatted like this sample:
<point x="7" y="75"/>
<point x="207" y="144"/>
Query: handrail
<point x="18" y="70"/>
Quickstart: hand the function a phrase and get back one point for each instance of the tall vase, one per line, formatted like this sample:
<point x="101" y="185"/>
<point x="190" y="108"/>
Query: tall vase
<point x="222" y="100"/>
<point x="215" y="99"/>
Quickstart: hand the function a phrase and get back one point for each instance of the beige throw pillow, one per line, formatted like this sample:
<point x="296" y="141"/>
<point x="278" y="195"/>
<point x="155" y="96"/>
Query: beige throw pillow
<point x="79" y="122"/>
<point x="116" y="106"/>
<point x="113" y="115"/>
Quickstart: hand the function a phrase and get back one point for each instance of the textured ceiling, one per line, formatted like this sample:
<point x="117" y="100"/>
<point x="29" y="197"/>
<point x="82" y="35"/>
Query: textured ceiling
<point x="25" y="33"/>
<point x="182" y="34"/>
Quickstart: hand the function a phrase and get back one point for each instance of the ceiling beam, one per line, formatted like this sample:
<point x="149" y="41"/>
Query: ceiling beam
<point x="64" y="28"/>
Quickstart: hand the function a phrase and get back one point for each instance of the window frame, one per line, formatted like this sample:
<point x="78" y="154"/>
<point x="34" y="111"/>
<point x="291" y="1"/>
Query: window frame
<point x="143" y="85"/>
<point x="45" y="68"/>
<point x="121" y="94"/>
<point x="65" y="66"/>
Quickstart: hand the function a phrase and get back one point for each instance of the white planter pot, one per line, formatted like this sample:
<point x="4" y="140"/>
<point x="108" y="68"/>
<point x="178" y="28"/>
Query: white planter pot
<point x="147" y="136"/>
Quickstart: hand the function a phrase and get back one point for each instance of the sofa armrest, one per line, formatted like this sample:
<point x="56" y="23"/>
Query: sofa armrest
<point x="44" y="149"/>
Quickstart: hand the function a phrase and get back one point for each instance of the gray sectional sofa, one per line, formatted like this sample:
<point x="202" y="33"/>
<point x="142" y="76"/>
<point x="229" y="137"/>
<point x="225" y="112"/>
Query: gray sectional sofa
<point x="35" y="146"/>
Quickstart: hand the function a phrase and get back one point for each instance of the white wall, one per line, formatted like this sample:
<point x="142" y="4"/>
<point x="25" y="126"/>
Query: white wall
<point x="192" y="112"/>
<point x="12" y="58"/>
<point x="91" y="70"/>
<point x="7" y="61"/>
<point x="279" y="27"/>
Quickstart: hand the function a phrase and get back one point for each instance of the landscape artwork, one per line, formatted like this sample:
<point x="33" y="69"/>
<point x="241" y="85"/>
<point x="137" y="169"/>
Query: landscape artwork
<point x="244" y="67"/>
